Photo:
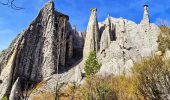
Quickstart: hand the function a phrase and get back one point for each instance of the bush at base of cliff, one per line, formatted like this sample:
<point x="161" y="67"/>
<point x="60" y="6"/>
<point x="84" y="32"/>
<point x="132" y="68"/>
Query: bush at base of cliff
<point x="97" y="88"/>
<point x="164" y="39"/>
<point x="91" y="64"/>
<point x="108" y="88"/>
<point x="153" y="78"/>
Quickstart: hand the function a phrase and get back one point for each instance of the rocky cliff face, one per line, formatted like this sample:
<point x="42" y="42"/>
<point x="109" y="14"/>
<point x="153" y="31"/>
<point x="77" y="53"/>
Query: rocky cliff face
<point x="38" y="52"/>
<point x="120" y="42"/>
<point x="50" y="51"/>
<point x="124" y="42"/>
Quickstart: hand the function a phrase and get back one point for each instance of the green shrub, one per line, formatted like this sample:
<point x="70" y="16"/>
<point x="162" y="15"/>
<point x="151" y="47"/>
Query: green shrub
<point x="91" y="64"/>
<point x="4" y="98"/>
<point x="153" y="78"/>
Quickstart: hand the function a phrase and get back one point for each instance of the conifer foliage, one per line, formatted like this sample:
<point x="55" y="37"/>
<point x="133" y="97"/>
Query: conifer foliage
<point x="91" y="64"/>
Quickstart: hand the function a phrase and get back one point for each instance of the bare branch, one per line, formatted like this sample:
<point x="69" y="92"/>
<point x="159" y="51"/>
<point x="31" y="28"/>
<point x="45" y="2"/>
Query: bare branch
<point x="14" y="6"/>
<point x="4" y="3"/>
<point x="10" y="3"/>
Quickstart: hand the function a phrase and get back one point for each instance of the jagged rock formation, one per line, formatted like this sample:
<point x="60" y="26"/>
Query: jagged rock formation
<point x="130" y="43"/>
<point x="145" y="22"/>
<point x="41" y="50"/>
<point x="92" y="35"/>
<point x="48" y="49"/>
<point x="106" y="36"/>
<point x="16" y="91"/>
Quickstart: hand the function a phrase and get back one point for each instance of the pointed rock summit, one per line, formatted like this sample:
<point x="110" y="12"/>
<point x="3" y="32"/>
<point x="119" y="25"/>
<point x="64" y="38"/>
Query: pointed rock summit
<point x="39" y="51"/>
<point x="145" y="22"/>
<point x="106" y="36"/>
<point x="92" y="35"/>
<point x="145" y="15"/>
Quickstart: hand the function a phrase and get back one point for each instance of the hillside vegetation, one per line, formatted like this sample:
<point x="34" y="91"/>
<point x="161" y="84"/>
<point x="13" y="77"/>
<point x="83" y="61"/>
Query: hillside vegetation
<point x="164" y="38"/>
<point x="149" y="81"/>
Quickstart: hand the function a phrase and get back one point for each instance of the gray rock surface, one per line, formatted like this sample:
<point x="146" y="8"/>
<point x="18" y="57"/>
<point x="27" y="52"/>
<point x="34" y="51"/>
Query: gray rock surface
<point x="50" y="83"/>
<point x="40" y="51"/>
<point x="16" y="91"/>
<point x="45" y="51"/>
<point x="130" y="43"/>
<point x="78" y="74"/>
<point x="92" y="35"/>
<point x="106" y="37"/>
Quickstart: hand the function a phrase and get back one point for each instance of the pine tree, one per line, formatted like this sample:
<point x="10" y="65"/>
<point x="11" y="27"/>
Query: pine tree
<point x="91" y="64"/>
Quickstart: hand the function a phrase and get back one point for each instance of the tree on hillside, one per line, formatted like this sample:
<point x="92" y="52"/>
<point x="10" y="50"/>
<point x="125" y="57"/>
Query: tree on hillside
<point x="91" y="64"/>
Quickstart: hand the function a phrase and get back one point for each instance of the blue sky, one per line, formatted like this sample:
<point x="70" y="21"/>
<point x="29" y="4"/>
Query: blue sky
<point x="13" y="22"/>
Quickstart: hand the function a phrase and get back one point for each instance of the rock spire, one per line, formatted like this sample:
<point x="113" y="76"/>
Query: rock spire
<point x="92" y="35"/>
<point x="145" y="20"/>
<point x="106" y="36"/>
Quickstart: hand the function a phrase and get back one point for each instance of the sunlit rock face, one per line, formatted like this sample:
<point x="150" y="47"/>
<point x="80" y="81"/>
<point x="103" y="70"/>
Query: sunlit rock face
<point x="92" y="35"/>
<point x="129" y="43"/>
<point x="49" y="50"/>
<point x="38" y="52"/>
<point x="15" y="91"/>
